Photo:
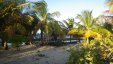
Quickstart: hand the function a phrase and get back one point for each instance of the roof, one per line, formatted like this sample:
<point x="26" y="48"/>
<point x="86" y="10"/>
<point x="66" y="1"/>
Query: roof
<point x="108" y="13"/>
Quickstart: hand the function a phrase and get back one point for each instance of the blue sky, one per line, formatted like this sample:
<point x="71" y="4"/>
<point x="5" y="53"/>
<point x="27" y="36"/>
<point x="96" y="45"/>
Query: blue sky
<point x="70" y="8"/>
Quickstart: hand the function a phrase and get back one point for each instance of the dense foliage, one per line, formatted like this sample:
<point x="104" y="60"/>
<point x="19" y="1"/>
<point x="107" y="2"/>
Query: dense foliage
<point x="97" y="45"/>
<point x="17" y="27"/>
<point x="97" y="52"/>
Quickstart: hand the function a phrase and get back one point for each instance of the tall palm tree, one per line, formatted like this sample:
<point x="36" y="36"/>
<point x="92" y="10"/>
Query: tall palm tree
<point x="88" y="21"/>
<point x="41" y="11"/>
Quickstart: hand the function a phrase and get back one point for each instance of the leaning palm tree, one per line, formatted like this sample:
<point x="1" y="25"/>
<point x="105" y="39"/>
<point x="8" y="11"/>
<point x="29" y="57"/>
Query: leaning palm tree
<point x="41" y="11"/>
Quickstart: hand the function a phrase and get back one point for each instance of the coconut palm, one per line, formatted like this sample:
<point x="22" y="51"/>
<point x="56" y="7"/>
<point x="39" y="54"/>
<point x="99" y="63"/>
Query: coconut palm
<point x="6" y="9"/>
<point x="91" y="28"/>
<point x="69" y="25"/>
<point x="41" y="11"/>
<point x="88" y="21"/>
<point x="13" y="14"/>
<point x="55" y="30"/>
<point x="31" y="28"/>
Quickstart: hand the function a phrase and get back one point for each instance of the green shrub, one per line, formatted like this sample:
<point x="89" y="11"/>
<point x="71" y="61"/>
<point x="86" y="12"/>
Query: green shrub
<point x="97" y="52"/>
<point x="17" y="40"/>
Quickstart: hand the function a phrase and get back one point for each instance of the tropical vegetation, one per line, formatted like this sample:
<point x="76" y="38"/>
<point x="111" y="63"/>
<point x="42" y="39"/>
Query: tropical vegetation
<point x="20" y="20"/>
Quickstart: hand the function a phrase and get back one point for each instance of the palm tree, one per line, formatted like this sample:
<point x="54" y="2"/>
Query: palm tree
<point x="5" y="12"/>
<point x="69" y="25"/>
<point x="55" y="30"/>
<point x="91" y="28"/>
<point x="41" y="11"/>
<point x="88" y="21"/>
<point x="44" y="17"/>
<point x="13" y="14"/>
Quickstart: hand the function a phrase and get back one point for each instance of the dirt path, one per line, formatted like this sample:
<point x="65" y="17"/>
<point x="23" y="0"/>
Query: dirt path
<point x="42" y="55"/>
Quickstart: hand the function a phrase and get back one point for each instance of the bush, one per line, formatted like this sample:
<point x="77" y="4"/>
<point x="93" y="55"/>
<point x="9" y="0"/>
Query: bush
<point x="97" y="52"/>
<point x="17" y="40"/>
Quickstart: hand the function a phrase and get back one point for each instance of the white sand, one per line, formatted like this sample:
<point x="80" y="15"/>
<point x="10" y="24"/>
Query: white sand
<point x="53" y="55"/>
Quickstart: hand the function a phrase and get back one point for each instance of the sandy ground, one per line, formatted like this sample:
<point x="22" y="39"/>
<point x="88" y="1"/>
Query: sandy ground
<point x="34" y="55"/>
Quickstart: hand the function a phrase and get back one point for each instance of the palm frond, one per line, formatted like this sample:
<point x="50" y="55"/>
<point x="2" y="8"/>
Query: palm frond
<point x="56" y="13"/>
<point x="24" y="5"/>
<point x="20" y="29"/>
<point x="41" y="8"/>
<point x="87" y="19"/>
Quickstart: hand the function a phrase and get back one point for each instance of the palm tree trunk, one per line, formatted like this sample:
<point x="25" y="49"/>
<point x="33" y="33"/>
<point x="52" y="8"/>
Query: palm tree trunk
<point x="70" y="38"/>
<point x="47" y="38"/>
<point x="30" y="41"/>
<point x="42" y="37"/>
<point x="88" y="40"/>
<point x="41" y="34"/>
<point x="5" y="46"/>
<point x="79" y="40"/>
